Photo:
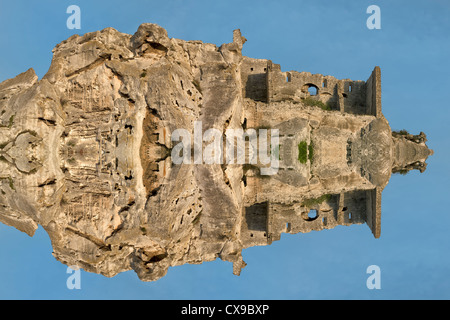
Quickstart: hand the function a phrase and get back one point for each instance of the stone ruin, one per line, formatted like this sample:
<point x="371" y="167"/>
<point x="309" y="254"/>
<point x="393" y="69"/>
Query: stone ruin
<point x="85" y="152"/>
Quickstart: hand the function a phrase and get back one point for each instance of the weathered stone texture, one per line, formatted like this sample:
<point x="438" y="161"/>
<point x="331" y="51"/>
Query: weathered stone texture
<point x="86" y="152"/>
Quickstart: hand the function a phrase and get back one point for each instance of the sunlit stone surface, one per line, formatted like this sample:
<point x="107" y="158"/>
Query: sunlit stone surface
<point x="85" y="152"/>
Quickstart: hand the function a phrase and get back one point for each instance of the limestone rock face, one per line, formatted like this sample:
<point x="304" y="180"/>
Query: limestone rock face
<point x="86" y="152"/>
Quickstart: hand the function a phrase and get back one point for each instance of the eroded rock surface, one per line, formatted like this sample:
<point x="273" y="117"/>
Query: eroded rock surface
<point x="86" y="152"/>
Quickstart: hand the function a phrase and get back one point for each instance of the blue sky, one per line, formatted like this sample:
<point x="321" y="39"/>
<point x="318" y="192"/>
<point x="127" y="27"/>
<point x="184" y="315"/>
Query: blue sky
<point x="328" y="37"/>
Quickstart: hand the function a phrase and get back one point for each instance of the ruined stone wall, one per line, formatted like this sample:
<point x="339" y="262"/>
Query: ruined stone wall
<point x="266" y="221"/>
<point x="354" y="209"/>
<point x="324" y="212"/>
<point x="263" y="80"/>
<point x="373" y="204"/>
<point x="254" y="225"/>
<point x="373" y="93"/>
<point x="254" y="79"/>
<point x="344" y="95"/>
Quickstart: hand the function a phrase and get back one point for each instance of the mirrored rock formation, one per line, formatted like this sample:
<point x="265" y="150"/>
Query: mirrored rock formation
<point x="86" y="152"/>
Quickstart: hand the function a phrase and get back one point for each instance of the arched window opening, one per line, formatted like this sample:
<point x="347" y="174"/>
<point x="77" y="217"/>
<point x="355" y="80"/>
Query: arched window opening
<point x="311" y="215"/>
<point x="310" y="89"/>
<point x="313" y="90"/>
